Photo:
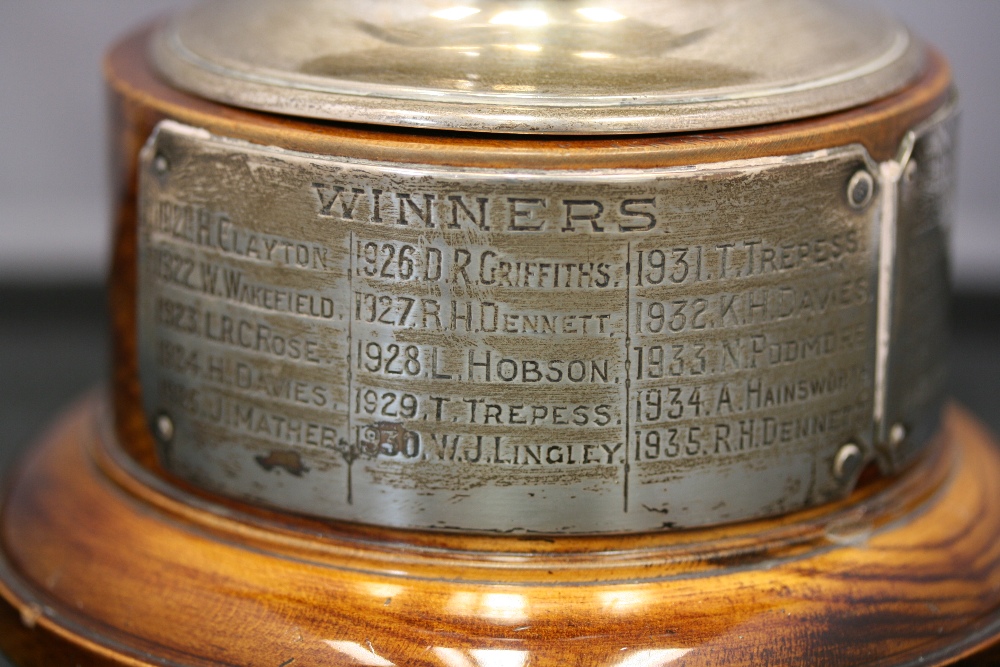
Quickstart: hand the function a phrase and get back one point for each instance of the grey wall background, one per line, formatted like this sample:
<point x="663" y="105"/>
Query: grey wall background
<point x="53" y="210"/>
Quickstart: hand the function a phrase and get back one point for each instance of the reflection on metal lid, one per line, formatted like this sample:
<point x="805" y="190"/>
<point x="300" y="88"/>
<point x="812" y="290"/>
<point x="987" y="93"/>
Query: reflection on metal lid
<point x="562" y="66"/>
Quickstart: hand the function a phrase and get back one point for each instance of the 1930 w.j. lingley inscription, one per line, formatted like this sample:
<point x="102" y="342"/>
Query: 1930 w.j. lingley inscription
<point x="539" y="351"/>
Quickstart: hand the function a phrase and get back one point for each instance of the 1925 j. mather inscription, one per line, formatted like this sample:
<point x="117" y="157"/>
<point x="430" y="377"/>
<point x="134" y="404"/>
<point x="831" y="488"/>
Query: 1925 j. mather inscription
<point x="423" y="347"/>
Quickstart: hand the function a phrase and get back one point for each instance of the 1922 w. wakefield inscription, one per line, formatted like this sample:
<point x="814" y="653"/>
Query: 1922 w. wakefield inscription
<point x="541" y="351"/>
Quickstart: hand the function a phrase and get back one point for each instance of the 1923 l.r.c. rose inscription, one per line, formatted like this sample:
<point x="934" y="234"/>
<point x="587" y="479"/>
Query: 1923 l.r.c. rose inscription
<point x="541" y="351"/>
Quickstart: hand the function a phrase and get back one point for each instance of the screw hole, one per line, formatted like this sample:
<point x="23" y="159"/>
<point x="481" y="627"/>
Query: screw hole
<point x="161" y="165"/>
<point x="861" y="189"/>
<point x="847" y="462"/>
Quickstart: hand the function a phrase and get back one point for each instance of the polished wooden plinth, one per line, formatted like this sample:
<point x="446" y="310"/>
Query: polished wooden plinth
<point x="106" y="564"/>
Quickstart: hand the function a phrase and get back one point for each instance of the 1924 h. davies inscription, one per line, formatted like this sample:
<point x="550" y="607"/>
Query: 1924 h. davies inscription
<point x="541" y="351"/>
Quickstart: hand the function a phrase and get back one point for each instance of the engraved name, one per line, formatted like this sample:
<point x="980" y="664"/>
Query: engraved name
<point x="378" y="261"/>
<point x="240" y="374"/>
<point x="243" y="417"/>
<point x="468" y="316"/>
<point x="669" y="403"/>
<point x="215" y="230"/>
<point x="722" y="439"/>
<point x="498" y="450"/>
<point x="746" y="308"/>
<point x="233" y="285"/>
<point x="682" y="265"/>
<point x="238" y="331"/>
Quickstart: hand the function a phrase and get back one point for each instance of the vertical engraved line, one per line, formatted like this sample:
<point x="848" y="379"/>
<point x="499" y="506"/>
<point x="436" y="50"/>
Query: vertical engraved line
<point x="628" y="368"/>
<point x="350" y="366"/>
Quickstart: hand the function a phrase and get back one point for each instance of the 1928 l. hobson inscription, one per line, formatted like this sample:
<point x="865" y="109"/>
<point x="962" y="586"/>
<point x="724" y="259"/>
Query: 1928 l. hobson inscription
<point x="437" y="324"/>
<point x="550" y="351"/>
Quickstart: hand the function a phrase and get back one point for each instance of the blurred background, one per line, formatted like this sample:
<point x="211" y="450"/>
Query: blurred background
<point x="54" y="214"/>
<point x="52" y="180"/>
<point x="54" y="209"/>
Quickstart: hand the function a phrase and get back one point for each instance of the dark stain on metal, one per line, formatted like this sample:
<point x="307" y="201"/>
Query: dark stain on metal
<point x="289" y="461"/>
<point x="349" y="452"/>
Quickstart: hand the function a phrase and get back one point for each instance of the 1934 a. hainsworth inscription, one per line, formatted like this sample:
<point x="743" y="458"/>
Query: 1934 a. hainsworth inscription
<point x="437" y="348"/>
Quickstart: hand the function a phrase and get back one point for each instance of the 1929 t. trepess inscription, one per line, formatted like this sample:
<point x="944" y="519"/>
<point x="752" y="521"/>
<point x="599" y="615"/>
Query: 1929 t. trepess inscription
<point x="549" y="351"/>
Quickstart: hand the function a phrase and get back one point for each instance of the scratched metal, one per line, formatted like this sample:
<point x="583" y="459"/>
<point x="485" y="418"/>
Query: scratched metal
<point x="918" y="334"/>
<point x="558" y="351"/>
<point x="549" y="66"/>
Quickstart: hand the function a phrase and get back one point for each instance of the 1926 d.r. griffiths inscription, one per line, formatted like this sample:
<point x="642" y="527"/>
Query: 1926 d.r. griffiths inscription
<point x="473" y="349"/>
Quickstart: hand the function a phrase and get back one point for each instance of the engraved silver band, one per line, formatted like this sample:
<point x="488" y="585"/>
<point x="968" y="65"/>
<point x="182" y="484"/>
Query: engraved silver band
<point x="540" y="351"/>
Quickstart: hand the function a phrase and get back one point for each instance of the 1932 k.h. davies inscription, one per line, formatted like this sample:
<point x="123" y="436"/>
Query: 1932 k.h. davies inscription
<point x="428" y="348"/>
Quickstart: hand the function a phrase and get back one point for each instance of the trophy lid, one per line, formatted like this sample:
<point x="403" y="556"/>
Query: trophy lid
<point x="555" y="66"/>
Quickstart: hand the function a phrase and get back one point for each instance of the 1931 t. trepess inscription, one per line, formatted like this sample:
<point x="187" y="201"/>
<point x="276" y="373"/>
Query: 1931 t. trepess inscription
<point x="427" y="347"/>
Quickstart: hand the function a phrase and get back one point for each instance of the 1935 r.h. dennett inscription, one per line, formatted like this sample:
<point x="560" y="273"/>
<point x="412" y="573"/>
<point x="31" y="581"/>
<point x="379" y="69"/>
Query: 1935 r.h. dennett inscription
<point x="539" y="351"/>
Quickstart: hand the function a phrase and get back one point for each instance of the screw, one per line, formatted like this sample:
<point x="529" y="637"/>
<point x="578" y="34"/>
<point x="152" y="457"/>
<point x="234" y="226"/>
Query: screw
<point x="847" y="461"/>
<point x="161" y="164"/>
<point x="164" y="427"/>
<point x="861" y="189"/>
<point x="897" y="434"/>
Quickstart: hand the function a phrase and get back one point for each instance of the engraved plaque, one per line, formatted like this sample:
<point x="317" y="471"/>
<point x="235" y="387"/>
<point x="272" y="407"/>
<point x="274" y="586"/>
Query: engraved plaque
<point x="549" y="351"/>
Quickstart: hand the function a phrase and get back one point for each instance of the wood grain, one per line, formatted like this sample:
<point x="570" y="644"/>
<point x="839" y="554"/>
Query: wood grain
<point x="106" y="560"/>
<point x="103" y="564"/>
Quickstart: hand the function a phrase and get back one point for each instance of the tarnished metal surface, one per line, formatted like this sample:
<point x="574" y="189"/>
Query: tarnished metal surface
<point x="923" y="180"/>
<point x="535" y="351"/>
<point x="618" y="66"/>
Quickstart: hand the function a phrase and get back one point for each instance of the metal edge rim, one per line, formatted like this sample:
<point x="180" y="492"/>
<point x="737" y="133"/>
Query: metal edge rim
<point x="899" y="67"/>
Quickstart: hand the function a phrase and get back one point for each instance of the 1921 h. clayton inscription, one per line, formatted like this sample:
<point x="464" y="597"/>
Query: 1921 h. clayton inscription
<point x="432" y="348"/>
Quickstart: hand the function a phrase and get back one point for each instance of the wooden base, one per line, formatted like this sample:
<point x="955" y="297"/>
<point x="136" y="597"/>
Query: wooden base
<point x="105" y="564"/>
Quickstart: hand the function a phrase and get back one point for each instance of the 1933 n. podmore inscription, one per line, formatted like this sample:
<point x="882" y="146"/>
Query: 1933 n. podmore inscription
<point x="537" y="351"/>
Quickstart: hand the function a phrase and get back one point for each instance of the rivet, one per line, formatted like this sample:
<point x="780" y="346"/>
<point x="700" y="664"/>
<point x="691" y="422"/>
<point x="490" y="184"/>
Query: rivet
<point x="897" y="434"/>
<point x="847" y="461"/>
<point x="164" y="427"/>
<point x="161" y="165"/>
<point x="861" y="189"/>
